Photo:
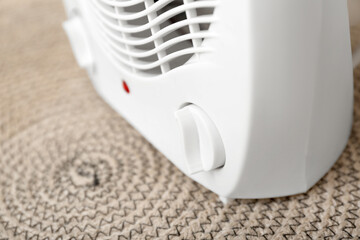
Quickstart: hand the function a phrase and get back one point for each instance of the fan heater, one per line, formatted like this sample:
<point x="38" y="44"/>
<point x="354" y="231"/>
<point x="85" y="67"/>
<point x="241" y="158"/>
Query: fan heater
<point x="250" y="98"/>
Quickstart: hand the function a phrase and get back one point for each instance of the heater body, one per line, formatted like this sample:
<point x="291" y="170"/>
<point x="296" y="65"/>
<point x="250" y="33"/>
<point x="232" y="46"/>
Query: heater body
<point x="263" y="106"/>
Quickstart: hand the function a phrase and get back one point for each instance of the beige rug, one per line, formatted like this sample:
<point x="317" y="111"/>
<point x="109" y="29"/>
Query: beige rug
<point x="71" y="168"/>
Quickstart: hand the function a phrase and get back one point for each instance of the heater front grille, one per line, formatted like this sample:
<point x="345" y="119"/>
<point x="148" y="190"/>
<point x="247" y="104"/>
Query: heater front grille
<point x="152" y="37"/>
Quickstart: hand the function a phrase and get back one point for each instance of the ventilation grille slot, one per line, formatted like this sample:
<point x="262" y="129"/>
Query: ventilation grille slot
<point x="152" y="37"/>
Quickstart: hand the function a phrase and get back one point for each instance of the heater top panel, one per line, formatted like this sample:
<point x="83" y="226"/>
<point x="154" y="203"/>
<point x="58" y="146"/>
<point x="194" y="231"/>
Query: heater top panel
<point x="152" y="37"/>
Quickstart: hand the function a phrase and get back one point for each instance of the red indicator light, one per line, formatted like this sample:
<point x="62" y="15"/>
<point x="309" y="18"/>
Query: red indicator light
<point x="125" y="87"/>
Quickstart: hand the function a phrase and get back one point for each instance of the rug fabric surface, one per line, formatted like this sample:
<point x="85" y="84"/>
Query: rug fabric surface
<point x="72" y="168"/>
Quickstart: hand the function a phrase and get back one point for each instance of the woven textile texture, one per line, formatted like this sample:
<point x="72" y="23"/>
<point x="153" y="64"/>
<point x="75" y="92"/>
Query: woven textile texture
<point x="71" y="168"/>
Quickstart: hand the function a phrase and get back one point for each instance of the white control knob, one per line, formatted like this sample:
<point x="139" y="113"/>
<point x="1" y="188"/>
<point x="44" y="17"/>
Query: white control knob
<point x="204" y="149"/>
<point x="76" y="33"/>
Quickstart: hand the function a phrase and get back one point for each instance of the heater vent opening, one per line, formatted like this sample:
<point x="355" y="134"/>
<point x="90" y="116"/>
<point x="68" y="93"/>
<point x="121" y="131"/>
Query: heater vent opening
<point x="152" y="37"/>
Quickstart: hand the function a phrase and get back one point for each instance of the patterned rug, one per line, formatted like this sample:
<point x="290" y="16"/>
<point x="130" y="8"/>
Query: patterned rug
<point x="71" y="168"/>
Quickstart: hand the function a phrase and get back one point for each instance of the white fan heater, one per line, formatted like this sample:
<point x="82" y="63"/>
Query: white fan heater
<point x="250" y="98"/>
